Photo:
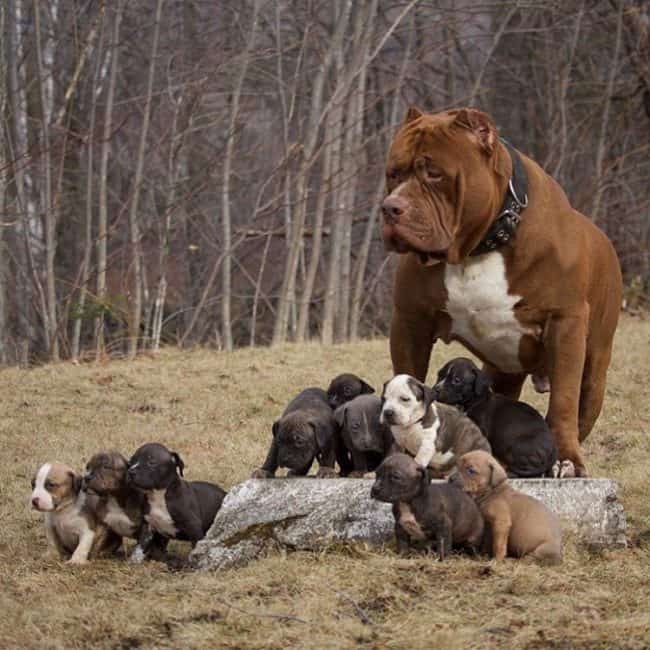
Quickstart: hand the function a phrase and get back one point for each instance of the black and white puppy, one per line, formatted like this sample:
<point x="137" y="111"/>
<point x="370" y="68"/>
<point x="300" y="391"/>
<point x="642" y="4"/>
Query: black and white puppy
<point x="174" y="508"/>
<point x="519" y="436"/>
<point x="435" y="434"/>
<point x="346" y="387"/>
<point x="306" y="431"/>
<point x="120" y="505"/>
<point x="365" y="440"/>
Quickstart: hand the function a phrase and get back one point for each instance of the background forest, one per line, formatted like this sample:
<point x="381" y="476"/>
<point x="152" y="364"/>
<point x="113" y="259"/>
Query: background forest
<point x="202" y="171"/>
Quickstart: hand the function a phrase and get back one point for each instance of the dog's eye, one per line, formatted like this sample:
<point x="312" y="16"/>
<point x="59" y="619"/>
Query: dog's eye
<point x="33" y="483"/>
<point x="49" y="485"/>
<point x="456" y="380"/>
<point x="404" y="399"/>
<point x="470" y="470"/>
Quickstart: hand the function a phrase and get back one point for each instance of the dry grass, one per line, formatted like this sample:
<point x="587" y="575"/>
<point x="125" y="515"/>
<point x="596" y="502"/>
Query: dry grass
<point x="216" y="409"/>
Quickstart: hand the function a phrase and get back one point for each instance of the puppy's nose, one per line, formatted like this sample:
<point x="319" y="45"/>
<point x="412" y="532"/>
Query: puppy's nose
<point x="35" y="502"/>
<point x="388" y="414"/>
<point x="393" y="208"/>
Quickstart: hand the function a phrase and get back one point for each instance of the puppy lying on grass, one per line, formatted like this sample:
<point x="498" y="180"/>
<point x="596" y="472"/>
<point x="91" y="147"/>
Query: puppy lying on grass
<point x="71" y="524"/>
<point x="306" y="431"/>
<point x="518" y="525"/>
<point x="519" y="436"/>
<point x="442" y="513"/>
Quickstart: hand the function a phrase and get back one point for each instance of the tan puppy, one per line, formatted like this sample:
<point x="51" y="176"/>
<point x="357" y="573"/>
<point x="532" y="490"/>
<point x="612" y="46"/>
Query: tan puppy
<point x="71" y="524"/>
<point x="519" y="524"/>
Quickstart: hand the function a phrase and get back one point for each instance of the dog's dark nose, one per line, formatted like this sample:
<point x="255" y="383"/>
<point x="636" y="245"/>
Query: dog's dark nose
<point x="393" y="208"/>
<point x="388" y="414"/>
<point x="35" y="502"/>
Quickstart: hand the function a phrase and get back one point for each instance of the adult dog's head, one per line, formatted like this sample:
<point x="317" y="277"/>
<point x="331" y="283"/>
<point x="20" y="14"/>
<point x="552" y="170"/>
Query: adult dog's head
<point x="446" y="177"/>
<point x="461" y="382"/>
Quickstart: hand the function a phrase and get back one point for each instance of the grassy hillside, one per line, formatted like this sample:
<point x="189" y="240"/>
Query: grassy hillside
<point x="216" y="410"/>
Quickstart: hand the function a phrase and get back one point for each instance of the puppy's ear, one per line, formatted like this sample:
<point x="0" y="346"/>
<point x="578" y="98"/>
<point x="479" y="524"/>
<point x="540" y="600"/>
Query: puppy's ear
<point x="366" y="389"/>
<point x="429" y="395"/>
<point x="323" y="434"/>
<point x="444" y="371"/>
<point x="178" y="461"/>
<point x="383" y="389"/>
<point x="274" y="428"/>
<point x="340" y="415"/>
<point x="497" y="473"/>
<point x="482" y="383"/>
<point x="75" y="482"/>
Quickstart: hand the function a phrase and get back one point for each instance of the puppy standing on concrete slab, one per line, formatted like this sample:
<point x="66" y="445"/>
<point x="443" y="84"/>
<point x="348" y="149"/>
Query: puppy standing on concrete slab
<point x="306" y="431"/>
<point x="365" y="441"/>
<point x="120" y="506"/>
<point x="519" y="525"/>
<point x="71" y="524"/>
<point x="443" y="513"/>
<point x="174" y="508"/>
<point x="519" y="436"/>
<point x="436" y="434"/>
<point x="346" y="387"/>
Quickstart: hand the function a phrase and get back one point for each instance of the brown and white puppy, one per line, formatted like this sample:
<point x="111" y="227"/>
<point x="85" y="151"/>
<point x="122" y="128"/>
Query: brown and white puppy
<point x="365" y="441"/>
<point x="71" y="524"/>
<point x="306" y="431"/>
<point x="519" y="436"/>
<point x="493" y="255"/>
<point x="443" y="514"/>
<point x="120" y="506"/>
<point x="436" y="434"/>
<point x="518" y="524"/>
<point x="346" y="387"/>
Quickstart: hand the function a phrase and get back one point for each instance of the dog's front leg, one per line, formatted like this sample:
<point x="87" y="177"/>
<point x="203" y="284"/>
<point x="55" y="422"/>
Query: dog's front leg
<point x="81" y="553"/>
<point x="326" y="460"/>
<point x="270" y="465"/>
<point x="565" y="344"/>
<point x="360" y="463"/>
<point x="56" y="548"/>
<point x="411" y="340"/>
<point x="500" y="533"/>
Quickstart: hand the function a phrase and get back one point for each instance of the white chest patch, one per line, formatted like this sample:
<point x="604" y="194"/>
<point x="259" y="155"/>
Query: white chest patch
<point x="158" y="517"/>
<point x="481" y="309"/>
<point x="116" y="519"/>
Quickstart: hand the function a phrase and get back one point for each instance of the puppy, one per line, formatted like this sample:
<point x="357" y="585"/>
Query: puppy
<point x="174" y="508"/>
<point x="519" y="436"/>
<point x="443" y="514"/>
<point x="365" y="441"/>
<point x="306" y="431"/>
<point x="346" y="387"/>
<point x="71" y="524"/>
<point x="436" y="434"/>
<point x="120" y="505"/>
<point x="519" y="525"/>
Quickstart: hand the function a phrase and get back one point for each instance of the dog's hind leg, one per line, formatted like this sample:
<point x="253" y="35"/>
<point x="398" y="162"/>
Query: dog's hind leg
<point x="592" y="390"/>
<point x="548" y="553"/>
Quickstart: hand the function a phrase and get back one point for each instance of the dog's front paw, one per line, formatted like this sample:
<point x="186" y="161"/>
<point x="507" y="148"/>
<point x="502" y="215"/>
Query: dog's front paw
<point x="356" y="474"/>
<point x="261" y="473"/>
<point x="412" y="528"/>
<point x="77" y="560"/>
<point x="371" y="475"/>
<point x="565" y="469"/>
<point x="326" y="472"/>
<point x="137" y="556"/>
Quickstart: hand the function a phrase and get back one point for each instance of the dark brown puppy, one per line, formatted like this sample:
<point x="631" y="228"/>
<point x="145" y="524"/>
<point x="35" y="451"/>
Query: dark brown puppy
<point x="346" y="387"/>
<point x="518" y="524"/>
<point x="306" y="431"/>
<point x="495" y="256"/>
<point x="444" y="514"/>
<point x="120" y="506"/>
<point x="519" y="436"/>
<point x="365" y="440"/>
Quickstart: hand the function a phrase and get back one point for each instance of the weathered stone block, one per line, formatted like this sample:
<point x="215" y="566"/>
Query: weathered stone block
<point x="309" y="514"/>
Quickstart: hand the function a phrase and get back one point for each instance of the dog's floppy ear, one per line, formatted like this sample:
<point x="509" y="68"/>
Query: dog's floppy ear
<point x="366" y="389"/>
<point x="323" y="432"/>
<point x="274" y="428"/>
<point x="178" y="461"/>
<point x="482" y="383"/>
<point x="497" y="473"/>
<point x="75" y="482"/>
<point x="340" y="415"/>
<point x="444" y="371"/>
<point x="429" y="395"/>
<point x="480" y="126"/>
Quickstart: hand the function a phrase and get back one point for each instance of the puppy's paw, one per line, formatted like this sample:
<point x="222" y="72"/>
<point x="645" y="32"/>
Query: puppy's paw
<point x="412" y="528"/>
<point x="564" y="469"/>
<point x="326" y="472"/>
<point x="261" y="473"/>
<point x="371" y="475"/>
<point x="137" y="556"/>
<point x="356" y="474"/>
<point x="77" y="560"/>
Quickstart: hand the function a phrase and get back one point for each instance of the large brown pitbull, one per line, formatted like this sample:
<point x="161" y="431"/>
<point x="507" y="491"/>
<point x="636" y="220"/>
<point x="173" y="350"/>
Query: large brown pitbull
<point x="540" y="296"/>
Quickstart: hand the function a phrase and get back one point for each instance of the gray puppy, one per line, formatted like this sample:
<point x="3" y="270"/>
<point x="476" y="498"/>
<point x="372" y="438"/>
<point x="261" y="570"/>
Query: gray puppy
<point x="365" y="440"/>
<point x="442" y="514"/>
<point x="306" y="431"/>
